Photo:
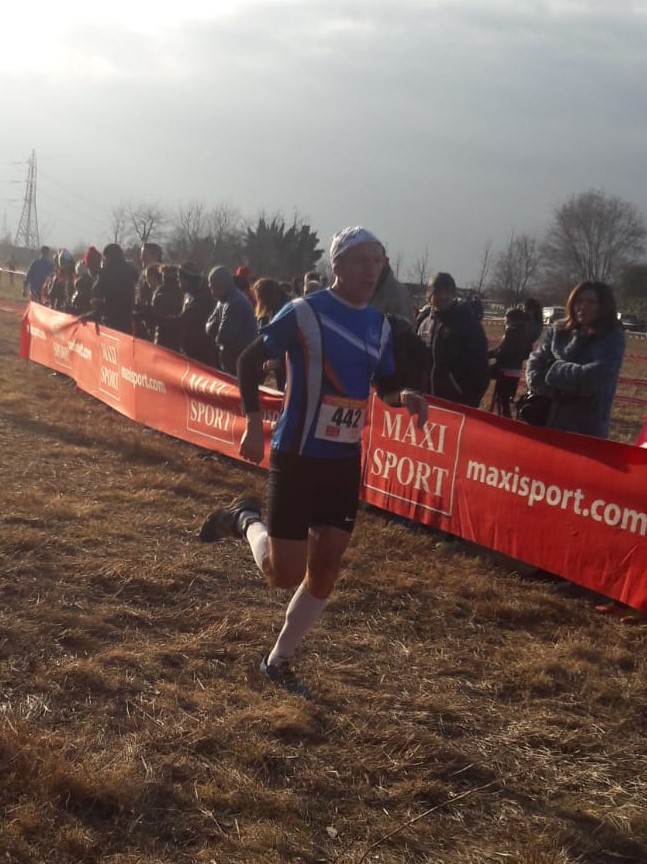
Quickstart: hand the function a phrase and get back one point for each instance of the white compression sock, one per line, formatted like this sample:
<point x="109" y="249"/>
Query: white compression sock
<point x="259" y="542"/>
<point x="302" y="613"/>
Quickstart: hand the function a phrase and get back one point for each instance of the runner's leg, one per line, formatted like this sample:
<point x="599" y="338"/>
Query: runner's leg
<point x="325" y="548"/>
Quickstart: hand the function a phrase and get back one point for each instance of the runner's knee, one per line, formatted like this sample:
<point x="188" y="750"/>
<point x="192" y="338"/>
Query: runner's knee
<point x="285" y="576"/>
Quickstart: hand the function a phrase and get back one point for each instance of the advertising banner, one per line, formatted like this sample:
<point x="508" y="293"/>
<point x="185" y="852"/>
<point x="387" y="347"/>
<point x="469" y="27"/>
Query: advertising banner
<point x="570" y="504"/>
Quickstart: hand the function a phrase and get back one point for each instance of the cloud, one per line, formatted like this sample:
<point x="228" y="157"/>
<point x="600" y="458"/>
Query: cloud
<point x="439" y="123"/>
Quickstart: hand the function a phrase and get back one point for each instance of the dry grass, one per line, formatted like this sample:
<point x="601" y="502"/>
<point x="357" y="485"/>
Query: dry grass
<point x="483" y="717"/>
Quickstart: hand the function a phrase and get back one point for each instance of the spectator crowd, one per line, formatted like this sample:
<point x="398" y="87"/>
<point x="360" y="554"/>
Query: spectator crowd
<point x="440" y="349"/>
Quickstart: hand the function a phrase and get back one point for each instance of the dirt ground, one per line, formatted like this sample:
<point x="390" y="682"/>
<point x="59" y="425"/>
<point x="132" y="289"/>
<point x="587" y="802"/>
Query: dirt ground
<point x="462" y="712"/>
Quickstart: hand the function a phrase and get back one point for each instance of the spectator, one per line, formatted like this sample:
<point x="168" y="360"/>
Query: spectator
<point x="197" y="307"/>
<point x="578" y="362"/>
<point x="476" y="305"/>
<point x="59" y="287"/>
<point x="232" y="325"/>
<point x="242" y="278"/>
<point x="150" y="253"/>
<point x="114" y="291"/>
<point x="39" y="269"/>
<point x="533" y="311"/>
<point x="456" y="362"/>
<point x="392" y="297"/>
<point x="311" y="283"/>
<point x="87" y="273"/>
<point x="509" y="356"/>
<point x="271" y="297"/>
<point x="166" y="305"/>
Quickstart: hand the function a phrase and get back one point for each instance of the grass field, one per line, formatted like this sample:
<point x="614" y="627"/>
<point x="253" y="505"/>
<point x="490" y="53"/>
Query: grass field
<point x="463" y="713"/>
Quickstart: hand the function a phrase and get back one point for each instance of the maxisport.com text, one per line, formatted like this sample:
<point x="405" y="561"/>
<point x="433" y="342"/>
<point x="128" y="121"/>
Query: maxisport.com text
<point x="574" y="500"/>
<point x="137" y="379"/>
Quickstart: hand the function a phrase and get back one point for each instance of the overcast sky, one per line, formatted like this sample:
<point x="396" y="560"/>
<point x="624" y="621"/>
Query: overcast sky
<point x="438" y="125"/>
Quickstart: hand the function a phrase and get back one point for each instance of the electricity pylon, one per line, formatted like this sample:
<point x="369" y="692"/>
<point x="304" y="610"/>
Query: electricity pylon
<point x="27" y="233"/>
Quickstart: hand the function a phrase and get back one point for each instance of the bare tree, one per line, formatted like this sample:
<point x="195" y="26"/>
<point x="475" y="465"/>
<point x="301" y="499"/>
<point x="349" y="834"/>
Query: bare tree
<point x="396" y="263"/>
<point x="516" y="268"/>
<point x="224" y="221"/>
<point x="421" y="270"/>
<point x="207" y="236"/>
<point x="145" y="220"/>
<point x="118" y="223"/>
<point x="189" y="229"/>
<point x="486" y="260"/>
<point x="592" y="237"/>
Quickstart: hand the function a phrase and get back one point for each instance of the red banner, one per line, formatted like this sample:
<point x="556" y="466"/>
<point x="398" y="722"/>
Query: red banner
<point x="573" y="505"/>
<point x="158" y="388"/>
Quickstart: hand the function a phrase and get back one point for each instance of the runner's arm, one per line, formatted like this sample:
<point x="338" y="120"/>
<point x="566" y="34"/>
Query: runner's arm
<point x="249" y="368"/>
<point x="250" y="372"/>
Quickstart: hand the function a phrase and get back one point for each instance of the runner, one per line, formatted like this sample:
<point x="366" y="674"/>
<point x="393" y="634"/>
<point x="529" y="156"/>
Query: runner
<point x="336" y="345"/>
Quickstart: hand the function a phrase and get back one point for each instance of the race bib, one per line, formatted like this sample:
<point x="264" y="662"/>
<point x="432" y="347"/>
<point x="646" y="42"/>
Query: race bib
<point x="341" y="419"/>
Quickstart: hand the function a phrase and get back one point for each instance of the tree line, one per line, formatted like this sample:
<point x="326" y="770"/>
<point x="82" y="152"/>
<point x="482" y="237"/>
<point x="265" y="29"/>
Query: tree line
<point x="219" y="235"/>
<point x="591" y="237"/>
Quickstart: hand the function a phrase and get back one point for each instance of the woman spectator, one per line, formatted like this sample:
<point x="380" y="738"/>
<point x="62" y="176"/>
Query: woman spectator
<point x="578" y="362"/>
<point x="270" y="297"/>
<point x="509" y="356"/>
<point x="166" y="306"/>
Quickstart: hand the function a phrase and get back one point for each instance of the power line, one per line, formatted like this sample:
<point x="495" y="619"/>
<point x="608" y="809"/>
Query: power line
<point x="92" y="218"/>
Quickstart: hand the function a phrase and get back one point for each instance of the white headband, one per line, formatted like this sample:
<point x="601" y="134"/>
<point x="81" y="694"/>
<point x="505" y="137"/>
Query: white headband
<point x="346" y="239"/>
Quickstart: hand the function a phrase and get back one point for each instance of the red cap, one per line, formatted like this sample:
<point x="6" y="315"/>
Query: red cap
<point x="244" y="270"/>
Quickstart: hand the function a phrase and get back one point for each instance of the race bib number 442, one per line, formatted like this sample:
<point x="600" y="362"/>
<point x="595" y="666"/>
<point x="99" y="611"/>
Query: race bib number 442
<point x="341" y="419"/>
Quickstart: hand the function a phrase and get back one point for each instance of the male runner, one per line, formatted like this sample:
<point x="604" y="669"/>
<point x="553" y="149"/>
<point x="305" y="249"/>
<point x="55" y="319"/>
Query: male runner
<point x="336" y="346"/>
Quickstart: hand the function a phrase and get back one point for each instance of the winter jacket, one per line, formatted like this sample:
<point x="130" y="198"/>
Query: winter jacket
<point x="581" y="372"/>
<point x="197" y="308"/>
<point x="166" y="306"/>
<point x="456" y="363"/>
<point x="115" y="291"/>
<point x="515" y="346"/>
<point x="393" y="298"/>
<point x="231" y="327"/>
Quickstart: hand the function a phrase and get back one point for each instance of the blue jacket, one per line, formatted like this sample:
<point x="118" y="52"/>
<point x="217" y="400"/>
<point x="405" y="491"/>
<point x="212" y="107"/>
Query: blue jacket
<point x="581" y="373"/>
<point x="39" y="270"/>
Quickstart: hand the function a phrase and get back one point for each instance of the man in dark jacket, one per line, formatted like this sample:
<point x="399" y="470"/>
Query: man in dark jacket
<point x="198" y="306"/>
<point x="114" y="291"/>
<point x="232" y="325"/>
<point x="456" y="366"/>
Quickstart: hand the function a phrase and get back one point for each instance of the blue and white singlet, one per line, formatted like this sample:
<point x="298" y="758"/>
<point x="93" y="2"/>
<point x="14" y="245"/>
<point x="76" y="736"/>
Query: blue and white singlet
<point x="334" y="350"/>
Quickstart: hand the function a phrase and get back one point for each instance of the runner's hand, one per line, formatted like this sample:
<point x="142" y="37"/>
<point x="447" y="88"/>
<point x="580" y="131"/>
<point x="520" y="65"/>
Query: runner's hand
<point x="415" y="403"/>
<point x="252" y="444"/>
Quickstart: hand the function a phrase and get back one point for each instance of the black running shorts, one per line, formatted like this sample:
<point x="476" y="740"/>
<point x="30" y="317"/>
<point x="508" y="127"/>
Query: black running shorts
<point x="304" y="491"/>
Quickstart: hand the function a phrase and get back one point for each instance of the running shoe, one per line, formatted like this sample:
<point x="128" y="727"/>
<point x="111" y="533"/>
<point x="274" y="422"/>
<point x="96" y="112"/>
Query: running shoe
<point x="283" y="676"/>
<point x="225" y="522"/>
